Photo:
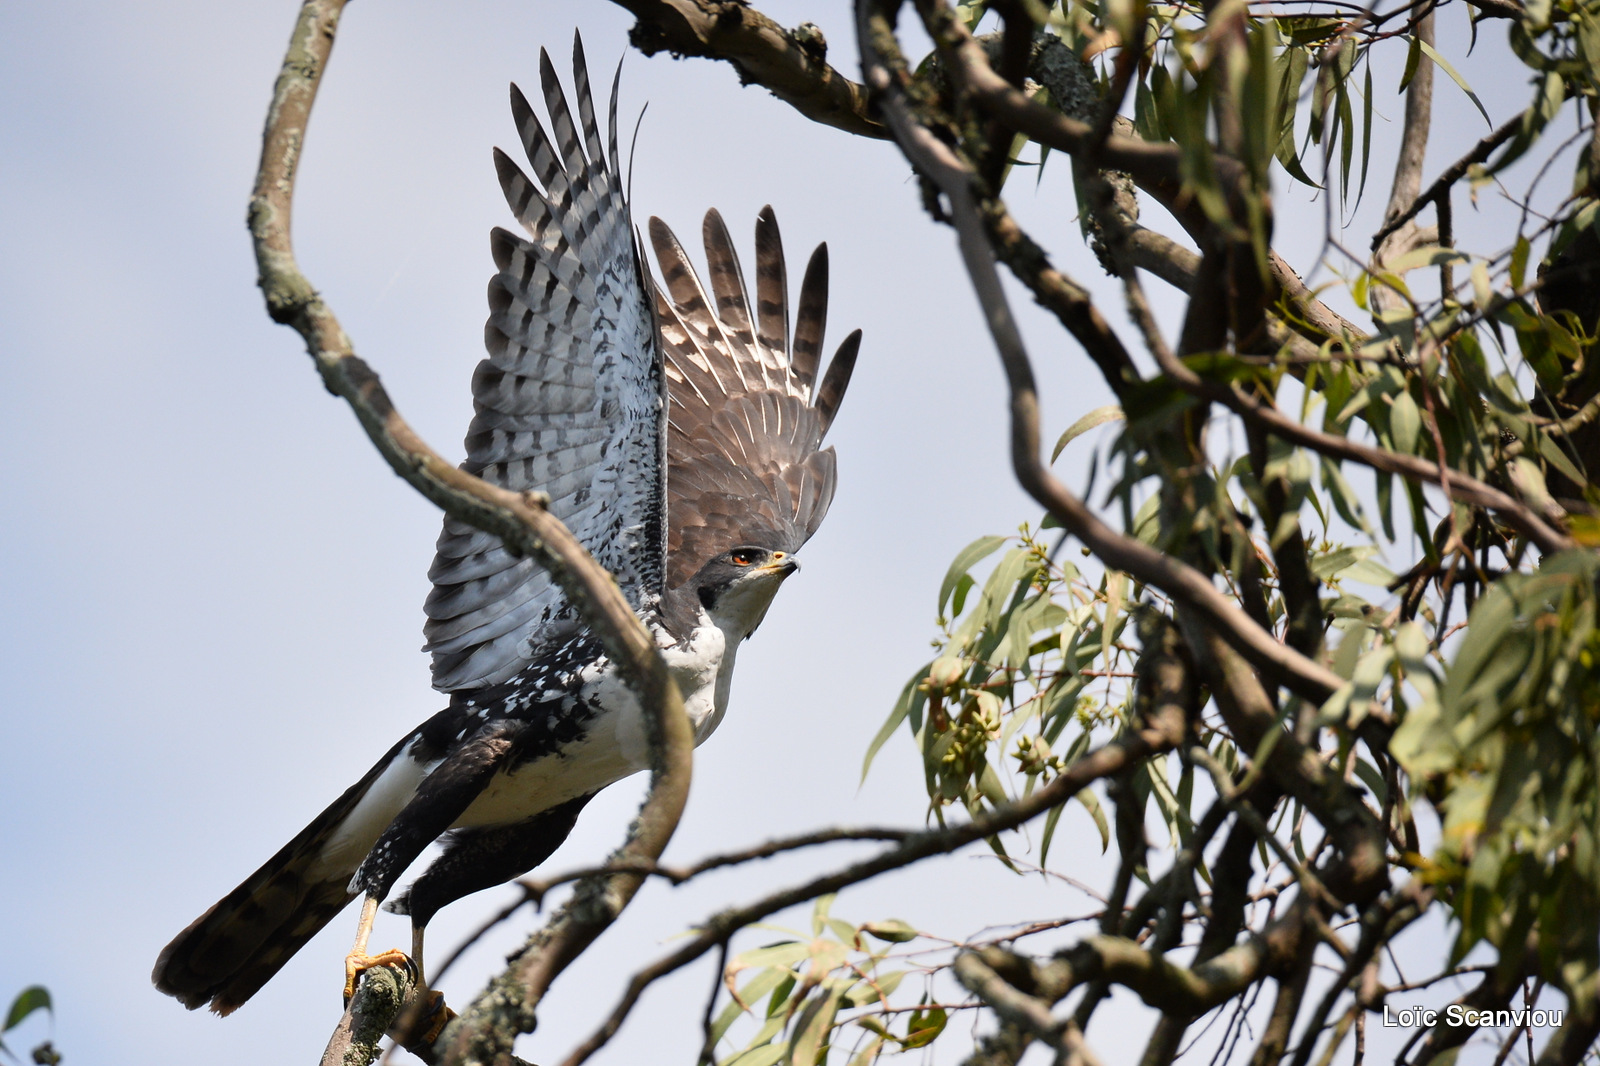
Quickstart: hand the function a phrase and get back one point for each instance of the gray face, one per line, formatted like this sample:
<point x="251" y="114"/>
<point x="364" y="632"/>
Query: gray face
<point x="737" y="587"/>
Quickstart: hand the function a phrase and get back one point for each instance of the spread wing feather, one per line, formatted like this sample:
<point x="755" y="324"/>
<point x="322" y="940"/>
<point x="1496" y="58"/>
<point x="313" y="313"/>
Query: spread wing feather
<point x="745" y="429"/>
<point x="569" y="400"/>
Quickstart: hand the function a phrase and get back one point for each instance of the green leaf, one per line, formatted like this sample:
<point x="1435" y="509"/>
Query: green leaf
<point x="819" y="918"/>
<point x="1371" y="778"/>
<point x="1091" y="803"/>
<point x="815" y="1024"/>
<point x="1519" y="262"/>
<point x="968" y="557"/>
<point x="877" y="990"/>
<point x="1049" y="833"/>
<point x="1551" y="452"/>
<point x="1098" y="417"/>
<point x="753" y="990"/>
<point x="1405" y="423"/>
<point x="1344" y="497"/>
<point x="780" y="993"/>
<point x="1347" y="133"/>
<point x="1413" y="55"/>
<point x="1481" y="291"/>
<point x="892" y="930"/>
<point x="972" y="12"/>
<point x="1445" y="66"/>
<point x="785" y="954"/>
<point x="765" y="1055"/>
<point x="30" y="999"/>
<point x="869" y="1054"/>
<point x="1428" y="255"/>
<point x="912" y="699"/>
<point x="924" y="1028"/>
<point x="1366" y="130"/>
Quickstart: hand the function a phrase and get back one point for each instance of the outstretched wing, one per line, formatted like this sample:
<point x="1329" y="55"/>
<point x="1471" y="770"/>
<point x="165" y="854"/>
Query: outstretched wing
<point x="747" y="418"/>
<point x="569" y="401"/>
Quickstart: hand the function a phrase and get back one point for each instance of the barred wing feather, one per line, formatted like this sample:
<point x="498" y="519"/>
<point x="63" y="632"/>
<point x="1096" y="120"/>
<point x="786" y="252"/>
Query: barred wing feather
<point x="747" y="417"/>
<point x="569" y="401"/>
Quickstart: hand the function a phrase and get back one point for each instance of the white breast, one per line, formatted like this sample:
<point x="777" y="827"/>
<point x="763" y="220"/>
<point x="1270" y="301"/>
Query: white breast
<point x="615" y="744"/>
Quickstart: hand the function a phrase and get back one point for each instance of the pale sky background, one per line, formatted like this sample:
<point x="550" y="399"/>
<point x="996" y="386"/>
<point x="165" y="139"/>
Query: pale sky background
<point x="213" y="583"/>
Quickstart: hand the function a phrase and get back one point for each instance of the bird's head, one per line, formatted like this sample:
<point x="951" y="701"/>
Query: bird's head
<point x="737" y="587"/>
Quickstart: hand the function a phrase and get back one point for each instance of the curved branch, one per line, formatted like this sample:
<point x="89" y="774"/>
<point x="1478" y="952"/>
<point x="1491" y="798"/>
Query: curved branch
<point x="1062" y="297"/>
<point x="520" y="520"/>
<point x="1010" y="1003"/>
<point x="791" y="64"/>
<point x="1155" y="168"/>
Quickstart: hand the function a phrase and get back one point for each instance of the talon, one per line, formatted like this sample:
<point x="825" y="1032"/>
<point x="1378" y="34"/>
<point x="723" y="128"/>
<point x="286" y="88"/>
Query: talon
<point x="426" y="1024"/>
<point x="358" y="962"/>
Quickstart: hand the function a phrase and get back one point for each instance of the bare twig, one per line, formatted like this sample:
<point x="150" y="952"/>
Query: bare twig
<point x="1452" y="174"/>
<point x="677" y="875"/>
<point x="1106" y="761"/>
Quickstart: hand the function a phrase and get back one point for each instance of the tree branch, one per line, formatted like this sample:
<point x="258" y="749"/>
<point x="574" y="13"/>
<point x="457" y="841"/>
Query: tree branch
<point x="520" y="520"/>
<point x="1452" y="174"/>
<point x="791" y="64"/>
<point x="382" y="992"/>
<point x="1107" y="761"/>
<point x="1413" y="149"/>
<point x="677" y="875"/>
<point x="935" y="159"/>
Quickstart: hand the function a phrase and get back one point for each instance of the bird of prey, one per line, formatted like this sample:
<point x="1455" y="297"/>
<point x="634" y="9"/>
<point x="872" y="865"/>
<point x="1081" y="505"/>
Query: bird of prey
<point x="679" y="434"/>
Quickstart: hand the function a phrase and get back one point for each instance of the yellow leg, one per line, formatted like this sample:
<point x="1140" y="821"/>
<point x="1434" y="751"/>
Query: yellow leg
<point x="416" y="955"/>
<point x="421" y="1026"/>
<point x="358" y="959"/>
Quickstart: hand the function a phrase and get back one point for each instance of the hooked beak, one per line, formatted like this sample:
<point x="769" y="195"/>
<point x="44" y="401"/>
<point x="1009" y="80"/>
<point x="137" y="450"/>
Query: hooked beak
<point x="783" y="564"/>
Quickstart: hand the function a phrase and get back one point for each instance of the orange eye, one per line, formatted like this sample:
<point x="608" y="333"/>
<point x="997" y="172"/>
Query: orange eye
<point x="743" y="558"/>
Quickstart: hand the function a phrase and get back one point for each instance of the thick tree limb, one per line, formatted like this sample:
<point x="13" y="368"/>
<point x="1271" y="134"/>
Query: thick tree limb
<point x="520" y="520"/>
<point x="1175" y="989"/>
<point x="367" y="1017"/>
<point x="1062" y="297"/>
<point x="1009" y="1003"/>
<point x="1413" y="149"/>
<point x="1022" y="1011"/>
<point x="790" y="64"/>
